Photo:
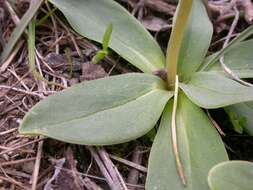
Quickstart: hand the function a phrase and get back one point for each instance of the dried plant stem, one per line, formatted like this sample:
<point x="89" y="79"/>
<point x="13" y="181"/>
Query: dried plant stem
<point x="112" y="170"/>
<point x="215" y="124"/>
<point x="179" y="164"/>
<point x="37" y="165"/>
<point x="226" y="69"/>
<point x="102" y="168"/>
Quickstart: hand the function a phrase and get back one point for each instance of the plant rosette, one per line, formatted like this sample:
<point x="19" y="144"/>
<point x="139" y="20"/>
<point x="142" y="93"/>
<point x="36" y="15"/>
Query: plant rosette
<point x="122" y="108"/>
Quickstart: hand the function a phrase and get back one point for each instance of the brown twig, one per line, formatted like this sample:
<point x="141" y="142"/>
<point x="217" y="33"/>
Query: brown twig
<point x="112" y="169"/>
<point x="133" y="176"/>
<point x="37" y="164"/>
<point x="102" y="168"/>
<point x="129" y="163"/>
<point x="226" y="69"/>
<point x="21" y="146"/>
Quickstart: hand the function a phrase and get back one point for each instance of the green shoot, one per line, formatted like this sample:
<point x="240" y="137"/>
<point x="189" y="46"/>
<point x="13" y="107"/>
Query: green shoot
<point x="32" y="54"/>
<point x="106" y="40"/>
<point x="44" y="18"/>
<point x="175" y="42"/>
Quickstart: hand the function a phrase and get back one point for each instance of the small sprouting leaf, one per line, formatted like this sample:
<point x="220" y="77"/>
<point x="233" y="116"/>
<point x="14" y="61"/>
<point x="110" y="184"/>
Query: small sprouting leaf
<point x="100" y="112"/>
<point x="200" y="148"/>
<point x="238" y="59"/>
<point x="231" y="175"/>
<point x="100" y="55"/>
<point x="244" y="110"/>
<point x="211" y="90"/>
<point x="129" y="38"/>
<point x="34" y="6"/>
<point x="197" y="36"/>
<point x="107" y="37"/>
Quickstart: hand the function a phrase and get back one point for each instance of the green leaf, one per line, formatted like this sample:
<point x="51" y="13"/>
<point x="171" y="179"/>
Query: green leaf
<point x="129" y="38"/>
<point x="239" y="59"/>
<point x="237" y="121"/>
<point x="211" y="90"/>
<point x="100" y="55"/>
<point x="196" y="41"/>
<point x="176" y="39"/>
<point x="18" y="31"/>
<point x="244" y="110"/>
<point x="231" y="175"/>
<point x="100" y="112"/>
<point x="107" y="37"/>
<point x="242" y="36"/>
<point x="200" y="148"/>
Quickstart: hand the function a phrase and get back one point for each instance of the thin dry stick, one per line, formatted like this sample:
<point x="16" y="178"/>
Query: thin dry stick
<point x="215" y="124"/>
<point x="112" y="169"/>
<point x="179" y="164"/>
<point x="22" y="91"/>
<point x="96" y="177"/>
<point x="15" y="84"/>
<point x="21" y="146"/>
<point x="37" y="165"/>
<point x="129" y="163"/>
<point x="57" y="47"/>
<point x="102" y="168"/>
<point x="12" y="181"/>
<point x="17" y="161"/>
<point x="18" y="78"/>
<point x="133" y="176"/>
<point x="8" y="131"/>
<point x="8" y="61"/>
<point x="14" y="16"/>
<point x="226" y="69"/>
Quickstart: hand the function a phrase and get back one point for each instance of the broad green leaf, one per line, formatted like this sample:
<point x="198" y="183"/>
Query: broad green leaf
<point x="231" y="175"/>
<point x="211" y="90"/>
<point x="200" y="148"/>
<point x="196" y="40"/>
<point x="239" y="59"/>
<point x="129" y="38"/>
<point x="100" y="112"/>
<point x="244" y="110"/>
<point x="34" y="6"/>
<point x="242" y="36"/>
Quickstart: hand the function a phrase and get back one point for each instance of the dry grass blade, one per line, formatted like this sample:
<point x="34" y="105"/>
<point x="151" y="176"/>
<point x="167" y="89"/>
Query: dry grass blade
<point x="179" y="164"/>
<point x="21" y="26"/>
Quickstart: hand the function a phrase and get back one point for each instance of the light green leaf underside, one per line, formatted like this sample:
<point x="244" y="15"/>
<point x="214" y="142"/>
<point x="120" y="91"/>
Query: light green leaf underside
<point x="129" y="38"/>
<point x="200" y="149"/>
<point x="211" y="90"/>
<point x="244" y="110"/>
<point x="20" y="29"/>
<point x="231" y="175"/>
<point x="101" y="112"/>
<point x="197" y="38"/>
<point x="239" y="59"/>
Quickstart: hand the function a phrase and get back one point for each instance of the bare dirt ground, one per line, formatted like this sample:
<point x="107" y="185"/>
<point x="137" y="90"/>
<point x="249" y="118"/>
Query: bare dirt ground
<point x="41" y="163"/>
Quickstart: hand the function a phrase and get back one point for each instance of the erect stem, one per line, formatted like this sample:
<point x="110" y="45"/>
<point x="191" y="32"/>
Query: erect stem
<point x="179" y="164"/>
<point x="176" y="39"/>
